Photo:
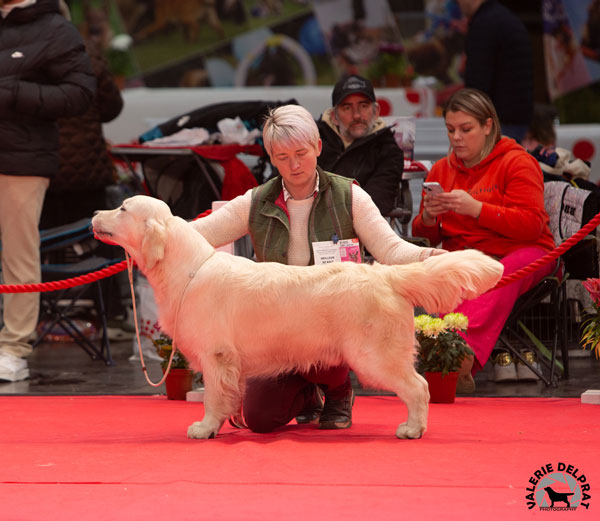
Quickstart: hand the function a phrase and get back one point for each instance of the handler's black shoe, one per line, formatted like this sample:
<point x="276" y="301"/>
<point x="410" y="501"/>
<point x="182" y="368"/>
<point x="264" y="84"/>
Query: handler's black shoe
<point x="337" y="414"/>
<point x="314" y="406"/>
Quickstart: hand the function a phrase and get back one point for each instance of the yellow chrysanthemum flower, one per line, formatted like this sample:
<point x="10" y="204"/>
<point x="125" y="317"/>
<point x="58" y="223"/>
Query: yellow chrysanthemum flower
<point x="456" y="321"/>
<point x="432" y="327"/>
<point x="420" y="322"/>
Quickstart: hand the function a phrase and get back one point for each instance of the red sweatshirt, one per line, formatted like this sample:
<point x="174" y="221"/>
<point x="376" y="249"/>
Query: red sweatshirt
<point x="510" y="185"/>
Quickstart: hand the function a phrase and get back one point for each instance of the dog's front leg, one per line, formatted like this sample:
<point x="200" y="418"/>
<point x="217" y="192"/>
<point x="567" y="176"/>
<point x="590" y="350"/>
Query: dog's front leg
<point x="213" y="420"/>
<point x="222" y="396"/>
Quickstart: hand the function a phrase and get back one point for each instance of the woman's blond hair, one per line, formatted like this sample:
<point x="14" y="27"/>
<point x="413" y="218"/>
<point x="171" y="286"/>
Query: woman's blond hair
<point x="477" y="104"/>
<point x="289" y="125"/>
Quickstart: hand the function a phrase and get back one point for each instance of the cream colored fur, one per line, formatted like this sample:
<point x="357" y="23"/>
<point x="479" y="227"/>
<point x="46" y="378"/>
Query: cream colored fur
<point x="240" y="319"/>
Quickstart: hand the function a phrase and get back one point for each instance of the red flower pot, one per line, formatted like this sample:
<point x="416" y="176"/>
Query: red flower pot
<point x="442" y="389"/>
<point x="178" y="383"/>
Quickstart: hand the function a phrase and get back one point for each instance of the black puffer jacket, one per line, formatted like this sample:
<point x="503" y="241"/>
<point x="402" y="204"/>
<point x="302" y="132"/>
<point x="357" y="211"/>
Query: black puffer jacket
<point x="85" y="165"/>
<point x="375" y="161"/>
<point x="45" y="74"/>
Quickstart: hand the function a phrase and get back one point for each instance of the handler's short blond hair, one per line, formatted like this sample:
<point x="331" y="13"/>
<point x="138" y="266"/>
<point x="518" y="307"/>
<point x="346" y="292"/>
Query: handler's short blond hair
<point x="289" y="125"/>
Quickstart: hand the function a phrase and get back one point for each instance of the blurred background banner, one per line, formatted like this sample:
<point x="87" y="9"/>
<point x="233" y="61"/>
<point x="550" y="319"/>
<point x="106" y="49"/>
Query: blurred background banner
<point x="226" y="43"/>
<point x="419" y="44"/>
<point x="363" y="38"/>
<point x="571" y="44"/>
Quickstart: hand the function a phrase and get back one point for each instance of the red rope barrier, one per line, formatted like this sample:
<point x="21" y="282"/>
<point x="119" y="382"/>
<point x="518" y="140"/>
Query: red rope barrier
<point x="121" y="266"/>
<point x="554" y="254"/>
<point x="66" y="283"/>
<point x="74" y="281"/>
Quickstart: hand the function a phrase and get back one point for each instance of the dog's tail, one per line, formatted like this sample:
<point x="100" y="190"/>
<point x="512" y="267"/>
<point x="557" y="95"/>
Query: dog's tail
<point x="441" y="282"/>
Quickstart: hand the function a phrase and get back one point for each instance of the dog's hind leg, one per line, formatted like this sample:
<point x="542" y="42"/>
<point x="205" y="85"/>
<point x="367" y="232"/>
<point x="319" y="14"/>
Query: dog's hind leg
<point x="222" y="394"/>
<point x="414" y="392"/>
<point x="389" y="366"/>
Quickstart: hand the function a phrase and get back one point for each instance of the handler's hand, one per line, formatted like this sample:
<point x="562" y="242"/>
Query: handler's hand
<point x="431" y="252"/>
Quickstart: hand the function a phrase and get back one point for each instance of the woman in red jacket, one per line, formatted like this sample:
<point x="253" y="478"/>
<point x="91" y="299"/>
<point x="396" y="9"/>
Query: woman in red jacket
<point x="493" y="201"/>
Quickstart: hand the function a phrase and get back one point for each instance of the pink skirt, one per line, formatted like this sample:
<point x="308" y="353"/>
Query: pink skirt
<point x="487" y="314"/>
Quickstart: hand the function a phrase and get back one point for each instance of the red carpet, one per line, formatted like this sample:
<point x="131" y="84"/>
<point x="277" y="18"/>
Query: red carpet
<point x="128" y="458"/>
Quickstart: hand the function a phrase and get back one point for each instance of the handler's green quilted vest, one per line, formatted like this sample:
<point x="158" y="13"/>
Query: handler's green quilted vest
<point x="331" y="215"/>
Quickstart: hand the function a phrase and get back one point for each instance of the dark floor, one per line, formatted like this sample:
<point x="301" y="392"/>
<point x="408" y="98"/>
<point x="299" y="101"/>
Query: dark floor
<point x="584" y="374"/>
<point x="65" y="369"/>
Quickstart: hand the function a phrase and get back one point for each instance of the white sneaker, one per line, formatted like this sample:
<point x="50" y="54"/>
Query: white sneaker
<point x="524" y="373"/>
<point x="13" y="368"/>
<point x="504" y="368"/>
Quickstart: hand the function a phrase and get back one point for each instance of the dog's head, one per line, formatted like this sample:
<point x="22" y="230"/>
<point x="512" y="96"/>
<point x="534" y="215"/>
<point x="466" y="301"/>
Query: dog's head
<point x="138" y="226"/>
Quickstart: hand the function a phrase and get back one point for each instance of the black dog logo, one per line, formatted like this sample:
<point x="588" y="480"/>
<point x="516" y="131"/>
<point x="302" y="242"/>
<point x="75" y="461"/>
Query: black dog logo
<point x="560" y="497"/>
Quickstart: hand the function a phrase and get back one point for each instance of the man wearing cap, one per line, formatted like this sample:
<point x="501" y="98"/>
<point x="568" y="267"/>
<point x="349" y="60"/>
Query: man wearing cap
<point x="357" y="143"/>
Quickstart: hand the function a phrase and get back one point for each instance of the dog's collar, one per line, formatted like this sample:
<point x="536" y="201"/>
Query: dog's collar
<point x="192" y="274"/>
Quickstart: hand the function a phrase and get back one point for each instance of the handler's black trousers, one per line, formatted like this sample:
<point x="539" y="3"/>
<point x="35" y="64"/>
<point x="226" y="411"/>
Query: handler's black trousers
<point x="270" y="403"/>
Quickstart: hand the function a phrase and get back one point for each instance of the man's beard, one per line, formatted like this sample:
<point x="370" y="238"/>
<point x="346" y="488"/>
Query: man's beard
<point x="356" y="129"/>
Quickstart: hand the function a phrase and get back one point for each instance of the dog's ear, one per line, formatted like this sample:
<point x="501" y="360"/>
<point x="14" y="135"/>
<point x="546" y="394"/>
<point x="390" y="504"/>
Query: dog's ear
<point x="153" y="243"/>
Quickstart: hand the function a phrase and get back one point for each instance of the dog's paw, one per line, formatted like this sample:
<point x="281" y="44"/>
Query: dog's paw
<point x="201" y="431"/>
<point x="405" y="431"/>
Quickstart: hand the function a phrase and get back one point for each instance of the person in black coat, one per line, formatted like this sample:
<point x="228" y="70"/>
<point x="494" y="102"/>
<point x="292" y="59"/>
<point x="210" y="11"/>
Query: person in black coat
<point x="86" y="168"/>
<point x="357" y="143"/>
<point x="45" y="74"/>
<point x="499" y="62"/>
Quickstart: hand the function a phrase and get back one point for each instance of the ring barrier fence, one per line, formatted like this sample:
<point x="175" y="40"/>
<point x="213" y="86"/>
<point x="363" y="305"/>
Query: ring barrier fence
<point x="74" y="281"/>
<point x="122" y="266"/>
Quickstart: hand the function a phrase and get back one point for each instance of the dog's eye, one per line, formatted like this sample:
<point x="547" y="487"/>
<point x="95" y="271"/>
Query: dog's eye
<point x="123" y="209"/>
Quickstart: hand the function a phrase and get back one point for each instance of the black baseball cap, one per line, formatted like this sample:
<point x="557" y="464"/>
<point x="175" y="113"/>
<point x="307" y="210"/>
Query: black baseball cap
<point x="352" y="85"/>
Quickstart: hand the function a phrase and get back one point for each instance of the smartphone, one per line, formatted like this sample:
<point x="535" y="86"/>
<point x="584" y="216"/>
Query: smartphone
<point x="433" y="187"/>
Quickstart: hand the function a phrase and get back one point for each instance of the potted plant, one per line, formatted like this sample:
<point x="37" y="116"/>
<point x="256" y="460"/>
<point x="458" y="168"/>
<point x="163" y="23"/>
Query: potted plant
<point x="591" y="326"/>
<point x="180" y="378"/>
<point x="441" y="351"/>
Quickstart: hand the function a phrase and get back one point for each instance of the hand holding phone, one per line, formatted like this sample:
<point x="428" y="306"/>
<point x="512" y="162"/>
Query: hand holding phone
<point x="432" y="187"/>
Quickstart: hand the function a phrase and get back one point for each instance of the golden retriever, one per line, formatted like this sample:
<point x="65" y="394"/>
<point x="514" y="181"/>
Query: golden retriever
<point x="234" y="318"/>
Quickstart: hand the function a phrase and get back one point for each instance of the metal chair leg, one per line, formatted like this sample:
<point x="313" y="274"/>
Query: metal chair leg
<point x="101" y="311"/>
<point x="516" y="353"/>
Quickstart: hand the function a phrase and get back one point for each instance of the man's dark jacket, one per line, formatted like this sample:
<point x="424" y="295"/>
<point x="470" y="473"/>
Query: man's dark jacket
<point x="499" y="62"/>
<point x="45" y="74"/>
<point x="375" y="161"/>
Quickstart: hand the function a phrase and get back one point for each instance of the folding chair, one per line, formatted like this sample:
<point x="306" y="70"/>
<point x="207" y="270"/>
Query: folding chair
<point x="68" y="251"/>
<point x="516" y="336"/>
<point x="400" y="216"/>
<point x="569" y="208"/>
